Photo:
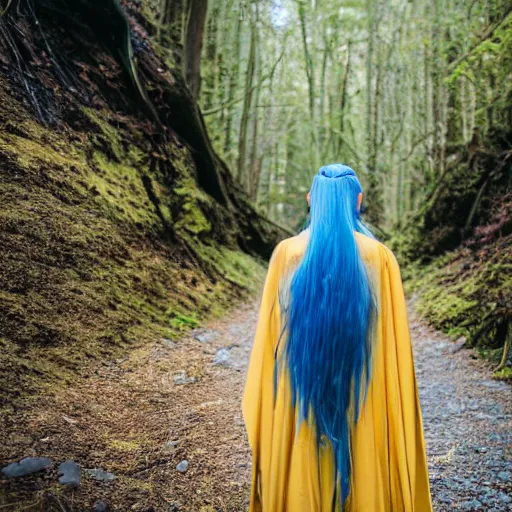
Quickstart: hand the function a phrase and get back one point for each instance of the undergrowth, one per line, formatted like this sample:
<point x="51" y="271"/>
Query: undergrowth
<point x="466" y="292"/>
<point x="89" y="264"/>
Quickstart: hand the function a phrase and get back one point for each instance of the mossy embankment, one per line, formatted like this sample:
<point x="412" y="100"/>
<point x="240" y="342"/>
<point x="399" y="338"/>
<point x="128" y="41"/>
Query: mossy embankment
<point x="89" y="264"/>
<point x="466" y="292"/>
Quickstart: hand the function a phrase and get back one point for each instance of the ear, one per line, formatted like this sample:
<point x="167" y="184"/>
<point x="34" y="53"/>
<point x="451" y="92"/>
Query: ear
<point x="308" y="199"/>
<point x="359" y="201"/>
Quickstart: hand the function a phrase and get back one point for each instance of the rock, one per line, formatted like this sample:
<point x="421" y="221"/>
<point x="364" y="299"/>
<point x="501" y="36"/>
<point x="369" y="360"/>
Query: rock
<point x="483" y="417"/>
<point x="70" y="472"/>
<point x="455" y="407"/>
<point x="168" y="343"/>
<point x="100" y="506"/>
<point x="100" y="475"/>
<point x="444" y="498"/>
<point x="172" y="444"/>
<point x="205" y="336"/>
<point x="182" y="467"/>
<point x="181" y="378"/>
<point x="222" y="357"/>
<point x="26" y="467"/>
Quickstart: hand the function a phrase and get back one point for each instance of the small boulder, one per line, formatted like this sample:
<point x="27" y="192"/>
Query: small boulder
<point x="495" y="384"/>
<point x="222" y="357"/>
<point x="101" y="475"/>
<point x="70" y="473"/>
<point x="168" y="343"/>
<point x="505" y="476"/>
<point x="205" y="336"/>
<point x="100" y="506"/>
<point x="26" y="467"/>
<point x="182" y="467"/>
<point x="182" y="378"/>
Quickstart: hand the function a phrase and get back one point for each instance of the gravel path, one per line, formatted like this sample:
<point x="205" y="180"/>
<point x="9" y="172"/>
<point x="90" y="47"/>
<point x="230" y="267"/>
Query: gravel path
<point x="166" y="421"/>
<point x="467" y="419"/>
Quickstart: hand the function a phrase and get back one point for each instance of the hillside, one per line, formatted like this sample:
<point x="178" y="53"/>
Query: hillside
<point x="118" y="221"/>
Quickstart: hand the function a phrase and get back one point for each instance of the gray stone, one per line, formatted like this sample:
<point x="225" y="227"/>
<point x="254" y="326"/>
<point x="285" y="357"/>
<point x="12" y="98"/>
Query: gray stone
<point x="168" y="343"/>
<point x="458" y="345"/>
<point x="70" y="473"/>
<point x="101" y="475"/>
<point x="182" y="467"/>
<point x="26" y="467"/>
<point x="205" y="336"/>
<point x="100" y="506"/>
<point x="222" y="357"/>
<point x="181" y="378"/>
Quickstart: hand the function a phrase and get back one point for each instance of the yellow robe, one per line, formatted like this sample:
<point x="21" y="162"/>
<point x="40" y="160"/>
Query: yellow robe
<point x="389" y="469"/>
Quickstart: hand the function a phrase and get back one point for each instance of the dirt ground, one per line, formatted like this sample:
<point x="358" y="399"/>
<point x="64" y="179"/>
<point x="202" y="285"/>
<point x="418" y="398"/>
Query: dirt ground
<point x="142" y="417"/>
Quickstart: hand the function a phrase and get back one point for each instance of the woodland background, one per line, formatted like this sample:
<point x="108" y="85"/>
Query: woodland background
<point x="415" y="95"/>
<point x="151" y="149"/>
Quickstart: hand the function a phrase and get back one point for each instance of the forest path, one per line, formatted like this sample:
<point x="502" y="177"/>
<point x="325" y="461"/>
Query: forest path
<point x="180" y="401"/>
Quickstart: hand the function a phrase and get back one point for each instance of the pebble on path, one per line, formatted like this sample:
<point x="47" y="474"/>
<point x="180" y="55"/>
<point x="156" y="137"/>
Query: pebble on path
<point x="182" y="467"/>
<point x="101" y="474"/>
<point x="26" y="467"/>
<point x="205" y="336"/>
<point x="222" y="357"/>
<point x="181" y="378"/>
<point x="70" y="473"/>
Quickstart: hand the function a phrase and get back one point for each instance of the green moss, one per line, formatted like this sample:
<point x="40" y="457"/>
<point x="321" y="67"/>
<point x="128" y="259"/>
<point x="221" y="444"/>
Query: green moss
<point x="109" y="135"/>
<point x="189" y="199"/>
<point x="462" y="293"/>
<point x="87" y="267"/>
<point x="505" y="374"/>
<point x="122" y="192"/>
<point x="183" y="322"/>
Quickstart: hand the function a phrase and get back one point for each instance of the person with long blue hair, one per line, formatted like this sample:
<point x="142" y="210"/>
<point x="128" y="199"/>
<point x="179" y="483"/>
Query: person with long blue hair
<point x="331" y="403"/>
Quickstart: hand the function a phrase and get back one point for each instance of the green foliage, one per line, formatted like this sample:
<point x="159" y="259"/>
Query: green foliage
<point x="181" y="322"/>
<point x="88" y="267"/>
<point x="505" y="374"/>
<point x="466" y="293"/>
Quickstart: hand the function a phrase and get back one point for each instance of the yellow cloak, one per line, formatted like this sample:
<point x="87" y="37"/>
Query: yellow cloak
<point x="389" y="469"/>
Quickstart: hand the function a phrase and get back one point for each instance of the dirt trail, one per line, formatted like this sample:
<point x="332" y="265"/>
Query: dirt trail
<point x="173" y="402"/>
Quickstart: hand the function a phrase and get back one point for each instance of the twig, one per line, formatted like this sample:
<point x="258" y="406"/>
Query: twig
<point x="506" y="348"/>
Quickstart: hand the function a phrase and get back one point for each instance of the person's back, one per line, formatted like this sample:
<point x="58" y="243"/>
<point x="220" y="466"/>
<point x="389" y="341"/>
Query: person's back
<point x="331" y="403"/>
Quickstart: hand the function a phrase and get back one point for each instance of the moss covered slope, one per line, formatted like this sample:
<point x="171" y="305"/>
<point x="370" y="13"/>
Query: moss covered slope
<point x="89" y="263"/>
<point x="467" y="291"/>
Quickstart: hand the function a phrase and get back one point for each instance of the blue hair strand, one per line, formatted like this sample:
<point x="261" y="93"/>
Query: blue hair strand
<point x="329" y="319"/>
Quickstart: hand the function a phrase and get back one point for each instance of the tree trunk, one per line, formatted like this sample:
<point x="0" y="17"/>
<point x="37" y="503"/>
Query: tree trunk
<point x="233" y="83"/>
<point x="193" y="43"/>
<point x="244" y="121"/>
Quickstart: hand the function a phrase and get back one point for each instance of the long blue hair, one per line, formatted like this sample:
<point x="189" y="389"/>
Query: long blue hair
<point x="329" y="318"/>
